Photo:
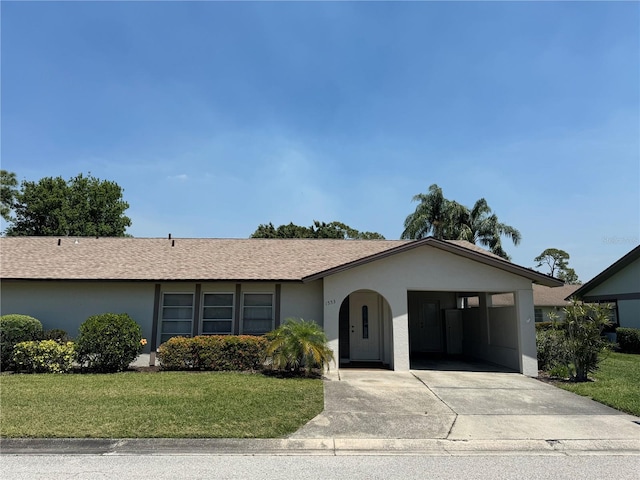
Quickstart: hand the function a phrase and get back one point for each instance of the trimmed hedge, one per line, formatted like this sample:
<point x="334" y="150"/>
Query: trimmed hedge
<point x="109" y="342"/>
<point x="213" y="352"/>
<point x="16" y="328"/>
<point x="557" y="325"/>
<point x="628" y="339"/>
<point x="45" y="356"/>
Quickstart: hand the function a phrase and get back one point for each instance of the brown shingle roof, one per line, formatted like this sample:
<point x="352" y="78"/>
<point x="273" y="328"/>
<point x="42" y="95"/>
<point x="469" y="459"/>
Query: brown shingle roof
<point x="187" y="259"/>
<point x="202" y="259"/>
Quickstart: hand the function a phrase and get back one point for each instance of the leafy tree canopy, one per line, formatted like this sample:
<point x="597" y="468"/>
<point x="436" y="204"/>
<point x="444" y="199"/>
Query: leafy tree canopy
<point x="81" y="206"/>
<point x="336" y="230"/>
<point x="557" y="261"/>
<point x="8" y="189"/>
<point x="446" y="219"/>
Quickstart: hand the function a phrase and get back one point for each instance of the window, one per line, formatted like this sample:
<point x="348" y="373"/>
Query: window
<point x="257" y="313"/>
<point x="538" y="314"/>
<point x="365" y="322"/>
<point x="217" y="313"/>
<point x="177" y="315"/>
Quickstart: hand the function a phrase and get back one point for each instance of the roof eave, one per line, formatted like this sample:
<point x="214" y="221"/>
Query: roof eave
<point x="534" y="276"/>
<point x="607" y="273"/>
<point x="152" y="280"/>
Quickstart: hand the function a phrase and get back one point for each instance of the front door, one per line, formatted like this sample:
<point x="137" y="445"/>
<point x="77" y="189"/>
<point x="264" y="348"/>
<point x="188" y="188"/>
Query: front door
<point x="364" y="320"/>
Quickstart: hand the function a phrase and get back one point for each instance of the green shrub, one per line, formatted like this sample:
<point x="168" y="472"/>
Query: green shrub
<point x="298" y="344"/>
<point x="552" y="350"/>
<point x="44" y="356"/>
<point x="213" y="352"/>
<point x="582" y="337"/>
<point x="628" y="339"/>
<point x="56" y="334"/>
<point x="237" y="352"/>
<point x="544" y="325"/>
<point x="16" y="328"/>
<point x="109" y="342"/>
<point x="553" y="325"/>
<point x="177" y="354"/>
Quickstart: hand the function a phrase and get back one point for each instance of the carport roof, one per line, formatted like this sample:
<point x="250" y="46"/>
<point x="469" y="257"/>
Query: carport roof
<point x="212" y="259"/>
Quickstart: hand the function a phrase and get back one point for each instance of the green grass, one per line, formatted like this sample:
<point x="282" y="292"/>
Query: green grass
<point x="165" y="404"/>
<point x="616" y="383"/>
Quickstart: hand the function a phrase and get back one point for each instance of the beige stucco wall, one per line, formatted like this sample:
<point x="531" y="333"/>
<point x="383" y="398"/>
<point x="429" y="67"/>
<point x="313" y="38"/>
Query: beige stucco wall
<point x="626" y="280"/>
<point x="424" y="268"/>
<point x="492" y="336"/>
<point x="302" y="301"/>
<point x="66" y="305"/>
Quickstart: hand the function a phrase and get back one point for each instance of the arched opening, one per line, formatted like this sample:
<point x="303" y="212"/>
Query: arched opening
<point x="365" y="330"/>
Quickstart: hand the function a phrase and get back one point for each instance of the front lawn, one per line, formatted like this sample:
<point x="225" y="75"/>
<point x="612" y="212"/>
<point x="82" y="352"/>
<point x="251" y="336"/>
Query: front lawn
<point x="165" y="404"/>
<point x="616" y="383"/>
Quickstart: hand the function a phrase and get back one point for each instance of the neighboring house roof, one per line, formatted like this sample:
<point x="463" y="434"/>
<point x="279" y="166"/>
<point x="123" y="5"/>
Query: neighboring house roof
<point x="553" y="297"/>
<point x="206" y="259"/>
<point x="543" y="296"/>
<point x="609" y="272"/>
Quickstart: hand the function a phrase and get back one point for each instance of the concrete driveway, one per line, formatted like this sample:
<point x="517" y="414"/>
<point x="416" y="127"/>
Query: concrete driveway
<point x="460" y="401"/>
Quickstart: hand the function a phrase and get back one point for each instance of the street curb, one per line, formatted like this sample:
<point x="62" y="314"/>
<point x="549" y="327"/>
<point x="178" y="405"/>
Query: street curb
<point x="320" y="446"/>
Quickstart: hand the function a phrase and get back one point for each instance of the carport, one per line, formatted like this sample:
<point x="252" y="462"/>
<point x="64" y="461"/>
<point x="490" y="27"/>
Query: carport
<point x="391" y="308"/>
<point x="443" y="326"/>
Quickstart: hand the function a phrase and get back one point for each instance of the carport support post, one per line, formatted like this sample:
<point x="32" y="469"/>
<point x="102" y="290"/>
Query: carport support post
<point x="331" y="328"/>
<point x="526" y="332"/>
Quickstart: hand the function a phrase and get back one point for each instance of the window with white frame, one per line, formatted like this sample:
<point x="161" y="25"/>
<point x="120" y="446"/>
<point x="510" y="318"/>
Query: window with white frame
<point x="257" y="313"/>
<point x="217" y="313"/>
<point x="538" y="314"/>
<point x="177" y="315"/>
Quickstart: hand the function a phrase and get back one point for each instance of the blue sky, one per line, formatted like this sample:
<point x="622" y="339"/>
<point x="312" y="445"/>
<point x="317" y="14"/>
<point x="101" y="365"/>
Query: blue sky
<point x="217" y="117"/>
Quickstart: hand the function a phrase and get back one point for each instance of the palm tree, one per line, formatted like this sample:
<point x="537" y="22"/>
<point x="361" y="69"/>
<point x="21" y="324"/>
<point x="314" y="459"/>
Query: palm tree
<point x="480" y="226"/>
<point x="298" y="343"/>
<point x="448" y="220"/>
<point x="434" y="215"/>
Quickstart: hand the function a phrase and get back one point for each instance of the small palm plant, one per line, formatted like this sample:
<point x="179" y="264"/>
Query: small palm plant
<point x="298" y="344"/>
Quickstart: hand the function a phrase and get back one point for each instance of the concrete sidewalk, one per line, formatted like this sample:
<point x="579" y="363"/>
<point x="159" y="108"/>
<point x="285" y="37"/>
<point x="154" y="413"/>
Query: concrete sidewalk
<point x="456" y="411"/>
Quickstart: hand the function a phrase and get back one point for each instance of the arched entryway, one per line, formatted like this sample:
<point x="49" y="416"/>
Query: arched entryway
<point x="365" y="335"/>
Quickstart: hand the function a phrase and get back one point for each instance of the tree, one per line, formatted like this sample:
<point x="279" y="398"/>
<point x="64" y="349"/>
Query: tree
<point x="554" y="258"/>
<point x="558" y="263"/>
<point x="480" y="225"/>
<point x="335" y="230"/>
<point x="283" y="231"/>
<point x="434" y="215"/>
<point x="81" y="206"/>
<point x="8" y="184"/>
<point x="569" y="276"/>
<point x="449" y="220"/>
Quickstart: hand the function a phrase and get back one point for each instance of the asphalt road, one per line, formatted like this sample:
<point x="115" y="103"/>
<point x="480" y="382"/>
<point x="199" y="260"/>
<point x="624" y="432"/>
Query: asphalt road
<point x="138" y="467"/>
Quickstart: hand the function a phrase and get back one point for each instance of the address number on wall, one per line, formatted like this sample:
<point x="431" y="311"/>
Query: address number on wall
<point x="330" y="302"/>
